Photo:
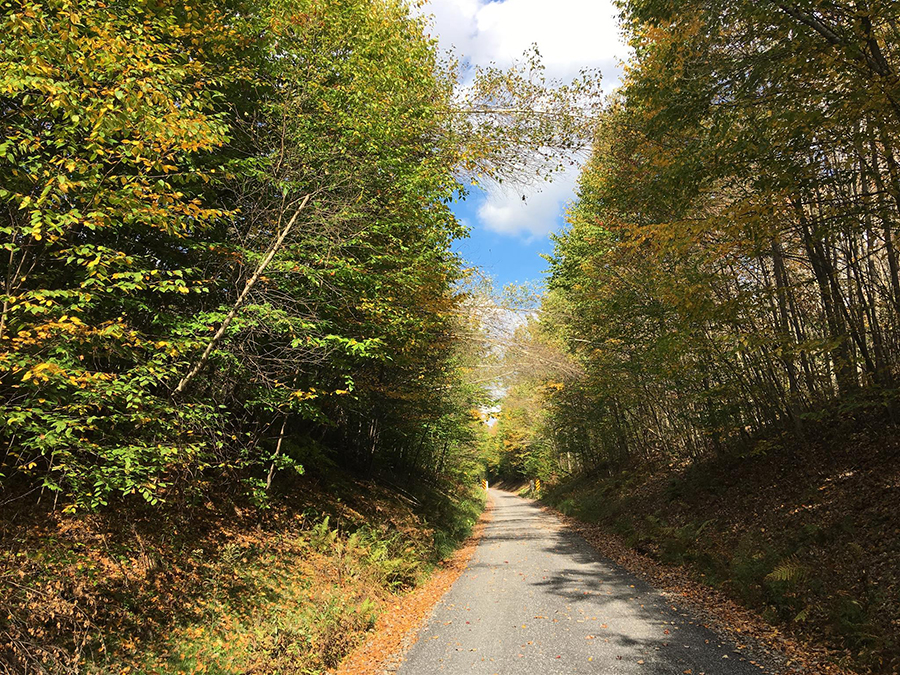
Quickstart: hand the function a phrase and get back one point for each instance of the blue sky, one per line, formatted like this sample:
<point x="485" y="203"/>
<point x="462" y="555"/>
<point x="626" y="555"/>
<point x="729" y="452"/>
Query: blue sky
<point x="506" y="257"/>
<point x="509" y="234"/>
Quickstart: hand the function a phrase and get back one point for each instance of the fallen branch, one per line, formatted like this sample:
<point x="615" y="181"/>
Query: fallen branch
<point x="234" y="310"/>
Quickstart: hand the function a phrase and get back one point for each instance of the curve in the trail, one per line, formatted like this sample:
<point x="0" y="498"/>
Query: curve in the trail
<point x="536" y="599"/>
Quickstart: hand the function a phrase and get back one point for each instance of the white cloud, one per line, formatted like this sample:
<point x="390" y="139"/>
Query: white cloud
<point x="571" y="35"/>
<point x="506" y="212"/>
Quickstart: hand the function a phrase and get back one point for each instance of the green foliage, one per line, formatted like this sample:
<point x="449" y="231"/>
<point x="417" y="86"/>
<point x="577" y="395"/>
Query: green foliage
<point x="108" y="111"/>
<point x="151" y="154"/>
<point x="456" y="523"/>
<point x="788" y="571"/>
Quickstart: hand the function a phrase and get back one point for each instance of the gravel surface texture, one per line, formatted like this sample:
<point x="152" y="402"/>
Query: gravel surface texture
<point x="536" y="599"/>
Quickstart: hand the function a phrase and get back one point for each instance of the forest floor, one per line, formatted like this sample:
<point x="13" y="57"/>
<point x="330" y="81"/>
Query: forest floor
<point x="808" y="538"/>
<point x="219" y="585"/>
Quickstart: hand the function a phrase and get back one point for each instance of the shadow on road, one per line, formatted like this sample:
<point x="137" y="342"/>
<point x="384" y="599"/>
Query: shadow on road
<point x="538" y="599"/>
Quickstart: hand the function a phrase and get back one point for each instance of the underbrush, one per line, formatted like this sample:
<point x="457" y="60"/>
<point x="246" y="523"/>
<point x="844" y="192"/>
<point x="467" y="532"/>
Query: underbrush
<point x="810" y="538"/>
<point x="218" y="587"/>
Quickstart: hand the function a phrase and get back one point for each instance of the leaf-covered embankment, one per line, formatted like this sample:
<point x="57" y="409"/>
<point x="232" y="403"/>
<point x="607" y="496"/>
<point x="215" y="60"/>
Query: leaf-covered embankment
<point x="220" y="586"/>
<point x="806" y="537"/>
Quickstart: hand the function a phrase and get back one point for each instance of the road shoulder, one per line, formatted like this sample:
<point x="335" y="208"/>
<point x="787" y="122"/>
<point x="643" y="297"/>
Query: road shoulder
<point x="397" y="628"/>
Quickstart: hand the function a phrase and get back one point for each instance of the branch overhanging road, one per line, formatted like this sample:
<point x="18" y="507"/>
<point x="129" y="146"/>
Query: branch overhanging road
<point x="536" y="599"/>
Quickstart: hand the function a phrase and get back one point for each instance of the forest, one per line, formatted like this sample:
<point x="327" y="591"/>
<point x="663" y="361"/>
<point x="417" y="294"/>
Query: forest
<point x="242" y="362"/>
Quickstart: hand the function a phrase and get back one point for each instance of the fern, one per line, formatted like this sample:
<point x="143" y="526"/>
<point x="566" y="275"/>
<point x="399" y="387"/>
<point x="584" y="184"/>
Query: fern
<point x="802" y="616"/>
<point x="788" y="570"/>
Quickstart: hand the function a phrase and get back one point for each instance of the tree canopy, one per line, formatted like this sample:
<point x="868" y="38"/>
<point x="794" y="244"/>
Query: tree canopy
<point x="730" y="267"/>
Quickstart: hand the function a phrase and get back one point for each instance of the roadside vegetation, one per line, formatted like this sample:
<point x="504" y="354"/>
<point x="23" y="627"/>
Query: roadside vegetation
<point x="217" y="587"/>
